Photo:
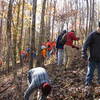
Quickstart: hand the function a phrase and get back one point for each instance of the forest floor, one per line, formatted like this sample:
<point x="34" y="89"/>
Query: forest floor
<point x="66" y="84"/>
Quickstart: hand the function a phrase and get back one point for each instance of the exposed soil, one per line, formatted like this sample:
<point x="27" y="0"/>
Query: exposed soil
<point x="66" y="84"/>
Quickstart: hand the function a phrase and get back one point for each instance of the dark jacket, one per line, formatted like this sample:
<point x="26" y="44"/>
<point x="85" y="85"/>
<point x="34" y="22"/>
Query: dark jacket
<point x="59" y="45"/>
<point x="93" y="43"/>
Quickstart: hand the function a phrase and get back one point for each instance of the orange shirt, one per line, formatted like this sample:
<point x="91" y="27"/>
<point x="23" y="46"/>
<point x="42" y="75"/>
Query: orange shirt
<point x="49" y="46"/>
<point x="53" y="44"/>
<point x="44" y="52"/>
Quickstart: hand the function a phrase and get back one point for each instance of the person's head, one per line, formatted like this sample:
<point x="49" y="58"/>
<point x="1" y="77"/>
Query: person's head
<point x="46" y="89"/>
<point x="47" y="40"/>
<point x="99" y="24"/>
<point x="72" y="31"/>
<point x="98" y="28"/>
<point x="64" y="32"/>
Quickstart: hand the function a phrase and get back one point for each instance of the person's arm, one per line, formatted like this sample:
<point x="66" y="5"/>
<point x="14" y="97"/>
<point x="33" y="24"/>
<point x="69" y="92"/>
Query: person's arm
<point x="29" y="91"/>
<point x="73" y="46"/>
<point x="31" y="87"/>
<point x="86" y="45"/>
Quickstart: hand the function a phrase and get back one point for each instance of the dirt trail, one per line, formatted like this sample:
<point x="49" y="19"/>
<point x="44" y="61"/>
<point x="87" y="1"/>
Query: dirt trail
<point x="66" y="84"/>
<point x="69" y="84"/>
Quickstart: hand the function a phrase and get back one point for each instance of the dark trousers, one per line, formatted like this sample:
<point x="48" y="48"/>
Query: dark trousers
<point x="29" y="77"/>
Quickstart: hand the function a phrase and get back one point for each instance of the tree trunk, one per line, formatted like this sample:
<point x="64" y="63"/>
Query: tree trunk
<point x="21" y="34"/>
<point x="1" y="21"/>
<point x="42" y="23"/>
<point x="8" y="32"/>
<point x="1" y="28"/>
<point x="33" y="32"/>
<point x="41" y="34"/>
<point x="15" y="33"/>
<point x="53" y="20"/>
<point x="49" y="21"/>
<point x="93" y="23"/>
<point x="87" y="3"/>
<point x="90" y="21"/>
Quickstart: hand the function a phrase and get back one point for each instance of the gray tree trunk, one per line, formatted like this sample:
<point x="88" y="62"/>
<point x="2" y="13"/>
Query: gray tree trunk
<point x="53" y="20"/>
<point x="21" y="34"/>
<point x="41" y="38"/>
<point x="33" y="32"/>
<point x="8" y="32"/>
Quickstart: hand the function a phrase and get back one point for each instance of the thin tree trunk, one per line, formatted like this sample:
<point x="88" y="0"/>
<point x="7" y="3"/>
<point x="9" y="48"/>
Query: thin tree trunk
<point x="49" y="21"/>
<point x="16" y="79"/>
<point x="1" y="28"/>
<point x="87" y="16"/>
<point x="46" y="22"/>
<point x="53" y="21"/>
<point x="90" y="21"/>
<point x="15" y="34"/>
<point x="33" y="32"/>
<point x="93" y="15"/>
<point x="39" y="59"/>
<point x="8" y="32"/>
<point x="21" y="34"/>
<point x="42" y="23"/>
<point x="1" y="21"/>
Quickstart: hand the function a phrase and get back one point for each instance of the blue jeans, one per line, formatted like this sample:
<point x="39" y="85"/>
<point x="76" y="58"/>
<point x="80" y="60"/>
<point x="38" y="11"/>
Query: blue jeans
<point x="60" y="56"/>
<point x="90" y="71"/>
<point x="48" y="54"/>
<point x="43" y="98"/>
<point x="30" y="89"/>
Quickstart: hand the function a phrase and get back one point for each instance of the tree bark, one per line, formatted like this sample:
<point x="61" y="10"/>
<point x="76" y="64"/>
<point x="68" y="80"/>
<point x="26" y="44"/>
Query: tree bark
<point x="53" y="20"/>
<point x="39" y="59"/>
<point x="15" y="34"/>
<point x="21" y="34"/>
<point x="33" y="32"/>
<point x="8" y="32"/>
<point x="87" y="3"/>
<point x="42" y="23"/>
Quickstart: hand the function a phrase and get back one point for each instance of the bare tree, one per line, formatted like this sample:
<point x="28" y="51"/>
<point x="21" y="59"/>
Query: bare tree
<point x="49" y="20"/>
<point x="42" y="23"/>
<point x="8" y="32"/>
<point x="1" y="25"/>
<point x="91" y="21"/>
<point x="53" y="19"/>
<point x="21" y="34"/>
<point x="87" y="3"/>
<point x="15" y="33"/>
<point x="33" y="31"/>
<point x="39" y="59"/>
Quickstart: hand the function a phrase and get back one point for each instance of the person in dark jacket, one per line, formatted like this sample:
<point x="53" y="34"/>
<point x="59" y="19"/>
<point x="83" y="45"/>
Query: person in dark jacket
<point x="60" y="48"/>
<point x="93" y="44"/>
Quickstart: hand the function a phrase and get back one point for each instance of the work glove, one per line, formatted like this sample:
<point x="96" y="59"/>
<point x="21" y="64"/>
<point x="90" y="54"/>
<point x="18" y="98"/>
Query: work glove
<point x="75" y="47"/>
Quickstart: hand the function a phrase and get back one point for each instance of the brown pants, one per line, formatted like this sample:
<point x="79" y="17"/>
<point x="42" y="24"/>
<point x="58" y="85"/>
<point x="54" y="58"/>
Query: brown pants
<point x="70" y="53"/>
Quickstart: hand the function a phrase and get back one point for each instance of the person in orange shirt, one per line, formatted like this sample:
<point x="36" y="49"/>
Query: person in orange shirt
<point x="49" y="48"/>
<point x="44" y="52"/>
<point x="53" y="46"/>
